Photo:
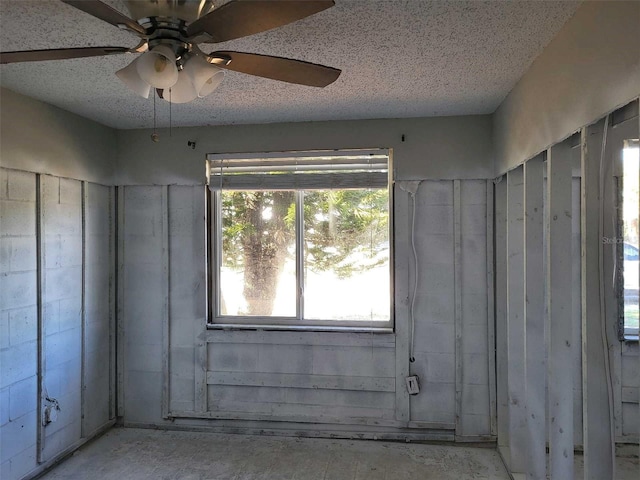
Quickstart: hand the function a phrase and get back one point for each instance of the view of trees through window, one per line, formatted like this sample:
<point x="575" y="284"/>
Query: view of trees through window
<point x="343" y="238"/>
<point x="630" y="202"/>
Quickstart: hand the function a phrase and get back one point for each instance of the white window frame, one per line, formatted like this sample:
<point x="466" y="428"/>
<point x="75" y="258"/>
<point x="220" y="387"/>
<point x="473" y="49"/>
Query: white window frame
<point x="217" y="182"/>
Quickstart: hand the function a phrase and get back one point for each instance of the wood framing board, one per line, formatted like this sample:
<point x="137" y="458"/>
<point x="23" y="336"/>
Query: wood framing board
<point x="83" y="308"/>
<point x="502" y="400"/>
<point x="41" y="288"/>
<point x="516" y="322"/>
<point x="597" y="428"/>
<point x="165" y="307"/>
<point x="401" y="300"/>
<point x="559" y="302"/>
<point x="491" y="322"/>
<point x="457" y="262"/>
<point x="535" y="361"/>
<point x="292" y="380"/>
<point x="120" y="313"/>
<point x="112" y="301"/>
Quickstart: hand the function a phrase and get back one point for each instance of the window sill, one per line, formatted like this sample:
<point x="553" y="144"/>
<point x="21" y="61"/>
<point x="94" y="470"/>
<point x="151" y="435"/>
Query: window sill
<point x="298" y="328"/>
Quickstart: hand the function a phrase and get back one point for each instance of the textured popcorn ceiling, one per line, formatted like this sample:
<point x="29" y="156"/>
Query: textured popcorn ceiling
<point x="400" y="58"/>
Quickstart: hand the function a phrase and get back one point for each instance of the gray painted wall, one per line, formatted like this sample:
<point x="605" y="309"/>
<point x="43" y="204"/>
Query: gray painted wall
<point x="76" y="315"/>
<point x="38" y="137"/>
<point x="589" y="69"/>
<point x="434" y="148"/>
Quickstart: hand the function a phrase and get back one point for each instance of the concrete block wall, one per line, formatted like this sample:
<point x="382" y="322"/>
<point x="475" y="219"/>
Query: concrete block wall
<point x="18" y="324"/>
<point x="446" y="365"/>
<point x="63" y="309"/>
<point x="175" y="368"/>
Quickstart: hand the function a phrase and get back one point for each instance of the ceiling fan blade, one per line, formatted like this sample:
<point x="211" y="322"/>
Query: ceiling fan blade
<point x="240" y="18"/>
<point x="106" y="13"/>
<point x="277" y="68"/>
<point x="59" y="54"/>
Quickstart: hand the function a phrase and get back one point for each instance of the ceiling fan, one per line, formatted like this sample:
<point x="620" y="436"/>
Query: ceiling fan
<point x="170" y="32"/>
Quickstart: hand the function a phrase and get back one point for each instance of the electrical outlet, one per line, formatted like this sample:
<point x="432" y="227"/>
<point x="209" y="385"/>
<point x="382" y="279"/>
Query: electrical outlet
<point x="413" y="385"/>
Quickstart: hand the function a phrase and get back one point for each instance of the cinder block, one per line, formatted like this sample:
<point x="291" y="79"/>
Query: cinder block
<point x="17" y="435"/>
<point x="232" y="357"/>
<point x="441" y="367"/>
<point x="18" y="290"/>
<point x="182" y="361"/>
<point x="71" y="313"/>
<point x="146" y="358"/>
<point x="23" y="325"/>
<point x="17" y="218"/>
<point x="182" y="389"/>
<point x="476" y="369"/>
<point x="63" y="282"/>
<point x="96" y="365"/>
<point x="62" y="219"/>
<point x="435" y="338"/>
<point x="63" y="251"/>
<point x="4" y="179"/>
<point x="23" y="397"/>
<point x="70" y="191"/>
<point x="438" y="219"/>
<point x="436" y="279"/>
<point x="63" y="379"/>
<point x="49" y="190"/>
<point x="435" y="403"/>
<point x="473" y="219"/>
<point x="5" y="254"/>
<point x="435" y="192"/>
<point x="20" y="254"/>
<point x="63" y="347"/>
<point x="51" y="317"/>
<point x="434" y="308"/>
<point x="474" y="424"/>
<point x="97" y="334"/>
<point x="61" y="439"/>
<point x="475" y="399"/>
<point x="474" y="339"/>
<point x="21" y="186"/>
<point x="4" y="328"/>
<point x="357" y="361"/>
<point x="4" y="406"/>
<point x="143" y="211"/>
<point x="473" y="192"/>
<point x="181" y="222"/>
<point x="474" y="308"/>
<point x="20" y="464"/>
<point x="434" y="250"/>
<point x="182" y="330"/>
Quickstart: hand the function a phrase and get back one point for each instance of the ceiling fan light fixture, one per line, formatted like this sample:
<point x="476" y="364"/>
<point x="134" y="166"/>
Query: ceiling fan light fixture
<point x="130" y="77"/>
<point x="183" y="91"/>
<point x="204" y="76"/>
<point x="158" y="67"/>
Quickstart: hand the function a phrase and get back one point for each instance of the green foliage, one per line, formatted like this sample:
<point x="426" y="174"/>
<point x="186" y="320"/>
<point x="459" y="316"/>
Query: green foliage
<point x="344" y="230"/>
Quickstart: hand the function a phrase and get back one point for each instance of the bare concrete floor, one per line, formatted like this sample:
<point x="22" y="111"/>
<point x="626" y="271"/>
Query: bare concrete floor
<point x="127" y="453"/>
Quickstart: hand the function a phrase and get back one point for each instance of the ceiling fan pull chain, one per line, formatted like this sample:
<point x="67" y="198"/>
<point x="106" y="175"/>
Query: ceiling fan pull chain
<point x="170" y="102"/>
<point x="154" y="135"/>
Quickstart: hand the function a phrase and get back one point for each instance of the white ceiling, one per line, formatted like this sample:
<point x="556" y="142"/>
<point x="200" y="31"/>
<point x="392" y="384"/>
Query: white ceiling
<point x="400" y="58"/>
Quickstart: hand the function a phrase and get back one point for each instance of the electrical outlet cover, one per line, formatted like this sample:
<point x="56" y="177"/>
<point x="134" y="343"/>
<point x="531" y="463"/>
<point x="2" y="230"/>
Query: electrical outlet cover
<point x="413" y="385"/>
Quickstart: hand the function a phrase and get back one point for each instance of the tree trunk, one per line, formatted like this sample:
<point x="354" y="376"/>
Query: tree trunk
<point x="265" y="250"/>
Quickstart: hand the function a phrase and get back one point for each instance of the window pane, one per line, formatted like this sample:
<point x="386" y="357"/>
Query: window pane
<point x="630" y="234"/>
<point x="346" y="255"/>
<point x="258" y="273"/>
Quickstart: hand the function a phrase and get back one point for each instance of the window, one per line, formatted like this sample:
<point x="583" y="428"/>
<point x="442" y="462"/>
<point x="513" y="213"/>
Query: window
<point x="301" y="239"/>
<point x="628" y="248"/>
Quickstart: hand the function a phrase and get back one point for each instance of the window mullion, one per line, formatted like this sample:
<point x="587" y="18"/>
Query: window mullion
<point x="300" y="254"/>
<point x="217" y="248"/>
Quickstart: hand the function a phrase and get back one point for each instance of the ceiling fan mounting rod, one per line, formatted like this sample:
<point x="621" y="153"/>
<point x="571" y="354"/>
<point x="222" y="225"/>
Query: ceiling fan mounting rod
<point x="167" y="31"/>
